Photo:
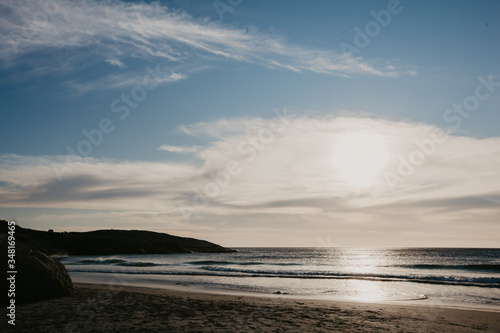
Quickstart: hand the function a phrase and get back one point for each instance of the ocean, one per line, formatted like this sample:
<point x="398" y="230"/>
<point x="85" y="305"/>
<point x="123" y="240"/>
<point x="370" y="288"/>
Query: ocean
<point x="458" y="277"/>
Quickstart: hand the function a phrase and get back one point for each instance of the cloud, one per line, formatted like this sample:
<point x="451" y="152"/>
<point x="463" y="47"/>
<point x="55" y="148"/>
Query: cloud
<point x="73" y="35"/>
<point x="180" y="150"/>
<point x="123" y="80"/>
<point x="87" y="185"/>
<point x="288" y="180"/>
<point x="292" y="164"/>
<point x="115" y="62"/>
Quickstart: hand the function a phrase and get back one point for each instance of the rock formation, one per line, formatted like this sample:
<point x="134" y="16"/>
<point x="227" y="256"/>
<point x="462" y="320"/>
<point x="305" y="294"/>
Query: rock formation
<point x="39" y="276"/>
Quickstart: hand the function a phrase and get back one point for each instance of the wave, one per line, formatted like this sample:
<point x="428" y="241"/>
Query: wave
<point x="495" y="268"/>
<point x="138" y="264"/>
<point x="438" y="279"/>
<point x="123" y="262"/>
<point x="486" y="282"/>
<point x="491" y="268"/>
<point x="98" y="262"/>
<point x="249" y="263"/>
<point x="112" y="262"/>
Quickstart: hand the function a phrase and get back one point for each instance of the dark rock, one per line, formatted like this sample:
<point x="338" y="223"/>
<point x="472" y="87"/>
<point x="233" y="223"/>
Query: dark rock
<point x="36" y="276"/>
<point x="39" y="276"/>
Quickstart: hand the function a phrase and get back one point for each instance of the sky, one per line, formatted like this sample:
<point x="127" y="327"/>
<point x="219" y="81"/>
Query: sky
<point x="254" y="123"/>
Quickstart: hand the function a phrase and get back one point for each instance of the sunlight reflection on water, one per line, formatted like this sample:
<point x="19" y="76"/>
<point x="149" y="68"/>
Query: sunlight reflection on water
<point x="366" y="291"/>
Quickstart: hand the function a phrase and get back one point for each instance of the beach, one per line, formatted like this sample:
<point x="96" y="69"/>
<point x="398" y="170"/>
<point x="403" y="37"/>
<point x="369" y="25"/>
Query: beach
<point x="100" y="308"/>
<point x="250" y="166"/>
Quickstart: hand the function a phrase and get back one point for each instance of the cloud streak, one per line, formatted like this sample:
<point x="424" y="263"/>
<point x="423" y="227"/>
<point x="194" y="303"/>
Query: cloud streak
<point x="71" y="33"/>
<point x="180" y="150"/>
<point x="122" y="81"/>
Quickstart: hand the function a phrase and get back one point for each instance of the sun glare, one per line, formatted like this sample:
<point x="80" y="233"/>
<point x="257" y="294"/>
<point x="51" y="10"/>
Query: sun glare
<point x="359" y="158"/>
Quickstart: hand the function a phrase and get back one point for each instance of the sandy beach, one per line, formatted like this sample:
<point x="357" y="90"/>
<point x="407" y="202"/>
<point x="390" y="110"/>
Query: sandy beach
<point x="117" y="309"/>
<point x="250" y="166"/>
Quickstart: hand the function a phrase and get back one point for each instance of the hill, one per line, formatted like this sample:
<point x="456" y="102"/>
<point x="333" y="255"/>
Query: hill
<point x="106" y="242"/>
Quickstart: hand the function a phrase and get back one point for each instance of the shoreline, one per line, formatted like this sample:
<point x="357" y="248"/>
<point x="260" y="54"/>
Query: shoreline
<point x="105" y="279"/>
<point x="234" y="293"/>
<point x="112" y="308"/>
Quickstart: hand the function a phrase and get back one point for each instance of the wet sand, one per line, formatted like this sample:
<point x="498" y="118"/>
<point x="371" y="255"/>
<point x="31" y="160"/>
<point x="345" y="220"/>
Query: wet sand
<point x="117" y="309"/>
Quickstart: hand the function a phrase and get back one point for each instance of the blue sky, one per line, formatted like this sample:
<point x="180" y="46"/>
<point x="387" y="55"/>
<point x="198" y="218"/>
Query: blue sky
<point x="172" y="93"/>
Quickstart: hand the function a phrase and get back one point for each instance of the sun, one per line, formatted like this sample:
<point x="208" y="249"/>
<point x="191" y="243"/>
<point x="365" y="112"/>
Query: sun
<point x="359" y="158"/>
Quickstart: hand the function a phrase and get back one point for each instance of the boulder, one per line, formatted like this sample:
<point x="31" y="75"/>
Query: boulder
<point x="39" y="276"/>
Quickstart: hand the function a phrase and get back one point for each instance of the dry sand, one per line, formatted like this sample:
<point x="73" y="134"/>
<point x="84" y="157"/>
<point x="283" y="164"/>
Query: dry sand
<point x="101" y="309"/>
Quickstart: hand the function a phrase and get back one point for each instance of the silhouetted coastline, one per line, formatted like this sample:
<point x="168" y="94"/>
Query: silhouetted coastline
<point x="105" y="242"/>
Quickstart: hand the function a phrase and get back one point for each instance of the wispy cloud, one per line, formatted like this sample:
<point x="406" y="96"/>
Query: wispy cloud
<point x="118" y="33"/>
<point x="121" y="81"/>
<point x="180" y="150"/>
<point x="115" y="62"/>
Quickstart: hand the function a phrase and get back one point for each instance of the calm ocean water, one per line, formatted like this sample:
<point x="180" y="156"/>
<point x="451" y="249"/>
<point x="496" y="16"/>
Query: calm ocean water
<point x="454" y="277"/>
